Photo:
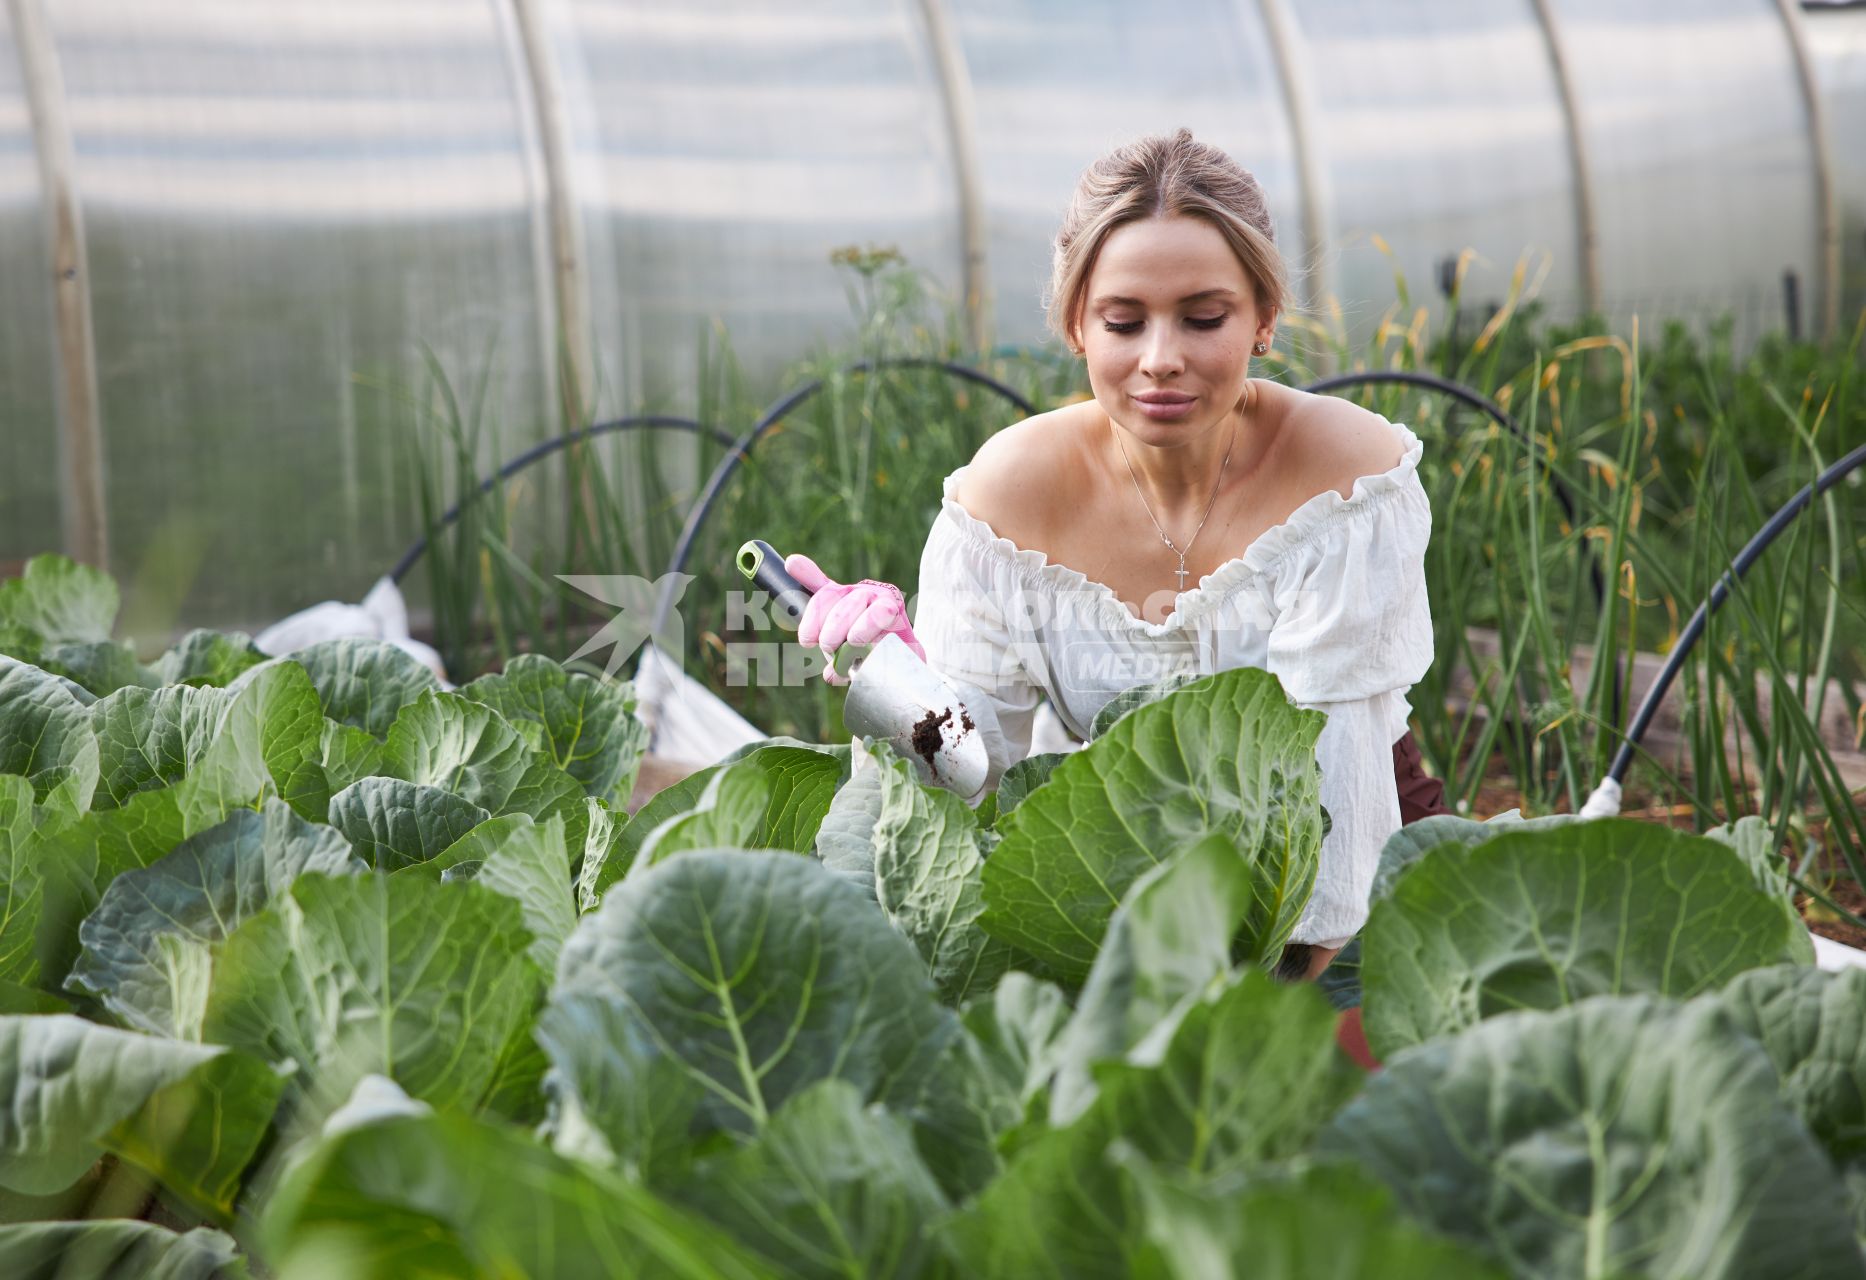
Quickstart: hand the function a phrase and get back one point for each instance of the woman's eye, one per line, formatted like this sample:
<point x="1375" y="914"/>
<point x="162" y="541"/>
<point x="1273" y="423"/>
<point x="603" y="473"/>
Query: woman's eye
<point x="1128" y="326"/>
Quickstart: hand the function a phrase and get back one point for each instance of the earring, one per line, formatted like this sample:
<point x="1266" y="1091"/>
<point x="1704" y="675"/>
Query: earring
<point x="1261" y="347"/>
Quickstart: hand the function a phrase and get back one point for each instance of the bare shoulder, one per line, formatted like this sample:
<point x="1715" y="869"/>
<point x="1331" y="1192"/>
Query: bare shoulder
<point x="1012" y="480"/>
<point x="1338" y="442"/>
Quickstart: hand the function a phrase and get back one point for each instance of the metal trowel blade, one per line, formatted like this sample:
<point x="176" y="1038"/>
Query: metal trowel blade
<point x="894" y="695"/>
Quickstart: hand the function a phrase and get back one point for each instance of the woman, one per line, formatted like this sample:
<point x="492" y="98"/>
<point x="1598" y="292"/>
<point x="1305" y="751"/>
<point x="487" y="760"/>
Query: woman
<point x="1059" y="563"/>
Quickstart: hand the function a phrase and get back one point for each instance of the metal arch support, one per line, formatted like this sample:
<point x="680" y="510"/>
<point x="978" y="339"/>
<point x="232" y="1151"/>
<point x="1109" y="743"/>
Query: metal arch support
<point x="1587" y="228"/>
<point x="1299" y="104"/>
<point x="569" y="275"/>
<point x="544" y="450"/>
<point x="741" y="449"/>
<point x="1825" y="194"/>
<point x="537" y="209"/>
<point x="738" y="451"/>
<point x="80" y="436"/>
<point x="955" y="82"/>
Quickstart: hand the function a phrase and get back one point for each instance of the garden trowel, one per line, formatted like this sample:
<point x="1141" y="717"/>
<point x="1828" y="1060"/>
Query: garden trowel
<point x="892" y="693"/>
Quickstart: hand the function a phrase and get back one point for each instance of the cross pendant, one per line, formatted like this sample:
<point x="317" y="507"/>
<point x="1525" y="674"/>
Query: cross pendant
<point x="1180" y="573"/>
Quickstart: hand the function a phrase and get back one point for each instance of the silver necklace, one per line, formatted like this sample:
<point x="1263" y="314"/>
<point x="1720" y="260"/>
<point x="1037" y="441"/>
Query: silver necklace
<point x="1181" y="571"/>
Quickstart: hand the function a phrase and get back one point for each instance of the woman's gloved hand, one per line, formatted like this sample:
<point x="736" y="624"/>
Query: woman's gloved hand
<point x="838" y="614"/>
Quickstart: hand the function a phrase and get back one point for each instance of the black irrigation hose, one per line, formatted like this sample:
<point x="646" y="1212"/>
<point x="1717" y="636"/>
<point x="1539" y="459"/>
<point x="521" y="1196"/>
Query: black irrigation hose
<point x="1751" y="552"/>
<point x="716" y="483"/>
<point x="1458" y="391"/>
<point x="531" y="455"/>
<point x="738" y="450"/>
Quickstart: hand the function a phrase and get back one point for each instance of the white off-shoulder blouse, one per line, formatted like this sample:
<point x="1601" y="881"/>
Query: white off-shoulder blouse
<point x="1332" y="602"/>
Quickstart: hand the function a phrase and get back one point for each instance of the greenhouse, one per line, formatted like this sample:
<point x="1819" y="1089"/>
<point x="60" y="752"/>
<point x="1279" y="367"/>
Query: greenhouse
<point x="225" y="227"/>
<point x="727" y="640"/>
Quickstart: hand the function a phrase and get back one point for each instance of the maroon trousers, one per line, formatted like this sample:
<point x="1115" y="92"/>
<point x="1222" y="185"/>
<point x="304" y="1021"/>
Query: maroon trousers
<point x="1420" y="794"/>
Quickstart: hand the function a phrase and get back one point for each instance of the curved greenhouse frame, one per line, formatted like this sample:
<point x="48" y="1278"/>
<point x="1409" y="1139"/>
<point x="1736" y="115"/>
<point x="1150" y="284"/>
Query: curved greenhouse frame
<point x="228" y="231"/>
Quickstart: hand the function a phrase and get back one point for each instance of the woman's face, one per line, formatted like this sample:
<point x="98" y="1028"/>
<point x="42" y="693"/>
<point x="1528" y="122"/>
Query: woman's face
<point x="1167" y="327"/>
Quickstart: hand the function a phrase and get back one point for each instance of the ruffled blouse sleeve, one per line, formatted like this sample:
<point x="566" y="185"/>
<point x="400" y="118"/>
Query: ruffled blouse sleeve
<point x="962" y="616"/>
<point x="1352" y="632"/>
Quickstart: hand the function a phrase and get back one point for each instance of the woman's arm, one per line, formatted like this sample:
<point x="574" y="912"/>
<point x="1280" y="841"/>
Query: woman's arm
<point x="959" y="614"/>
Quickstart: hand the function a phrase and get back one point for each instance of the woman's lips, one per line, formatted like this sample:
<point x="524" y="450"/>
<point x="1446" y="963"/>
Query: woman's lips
<point x="1166" y="407"/>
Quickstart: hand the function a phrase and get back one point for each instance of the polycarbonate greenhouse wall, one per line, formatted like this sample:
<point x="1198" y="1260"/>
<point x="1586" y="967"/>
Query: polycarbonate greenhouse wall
<point x="229" y="228"/>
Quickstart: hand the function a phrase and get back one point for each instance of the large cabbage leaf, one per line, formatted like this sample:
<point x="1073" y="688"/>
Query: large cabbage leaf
<point x="772" y="798"/>
<point x="526" y="861"/>
<point x="203" y="657"/>
<point x="845" y="839"/>
<point x="1228" y="755"/>
<point x="401" y="976"/>
<point x="60" y="601"/>
<point x="1167" y="949"/>
<point x="348" y="755"/>
<point x="447" y="741"/>
<point x="147" y="948"/>
<point x="150" y="738"/>
<point x="928" y="860"/>
<point x="615" y="1098"/>
<point x="760" y="974"/>
<point x="192" y="1114"/>
<point x="545" y="790"/>
<point x="1623" y="1135"/>
<point x="101" y="666"/>
<point x="1318" y="1222"/>
<point x="71" y="866"/>
<point x="269" y="741"/>
<point x="830" y="1188"/>
<point x="589" y="726"/>
<point x="361" y="683"/>
<point x="50" y="865"/>
<point x="46" y="737"/>
<point x="1812" y="1024"/>
<point x="445" y="1195"/>
<point x="393" y="823"/>
<point x="1542" y="918"/>
<point x="1414" y="840"/>
<point x="1342" y="979"/>
<point x="112" y="1249"/>
<point x="1247" y="1079"/>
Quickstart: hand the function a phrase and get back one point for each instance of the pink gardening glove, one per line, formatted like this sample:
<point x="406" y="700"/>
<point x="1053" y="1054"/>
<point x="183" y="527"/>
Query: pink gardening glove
<point x="858" y="614"/>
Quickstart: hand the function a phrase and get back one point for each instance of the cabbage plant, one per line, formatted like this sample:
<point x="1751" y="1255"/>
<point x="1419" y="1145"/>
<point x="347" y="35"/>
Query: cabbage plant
<point x="309" y="968"/>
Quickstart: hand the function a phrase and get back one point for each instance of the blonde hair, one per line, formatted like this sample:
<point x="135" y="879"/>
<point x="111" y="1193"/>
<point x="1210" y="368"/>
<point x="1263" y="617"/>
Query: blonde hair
<point x="1160" y="176"/>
